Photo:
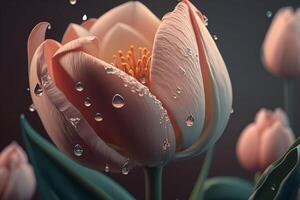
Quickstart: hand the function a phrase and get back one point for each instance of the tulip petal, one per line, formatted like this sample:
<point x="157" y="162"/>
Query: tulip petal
<point x="54" y="110"/>
<point x="73" y="32"/>
<point x="247" y="155"/>
<point x="175" y="60"/>
<point x="121" y="37"/>
<point x="88" y="23"/>
<point x="132" y="13"/>
<point x="36" y="37"/>
<point x="275" y="141"/>
<point x="4" y="175"/>
<point x="140" y="127"/>
<point x="281" y="46"/>
<point x="21" y="183"/>
<point x="19" y="156"/>
<point x="213" y="95"/>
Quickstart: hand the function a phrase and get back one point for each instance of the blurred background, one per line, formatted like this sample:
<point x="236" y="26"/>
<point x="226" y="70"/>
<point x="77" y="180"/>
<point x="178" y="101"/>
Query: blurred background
<point x="240" y="26"/>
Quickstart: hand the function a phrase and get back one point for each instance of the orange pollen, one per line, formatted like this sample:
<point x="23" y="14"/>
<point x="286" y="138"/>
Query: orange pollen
<point x="137" y="66"/>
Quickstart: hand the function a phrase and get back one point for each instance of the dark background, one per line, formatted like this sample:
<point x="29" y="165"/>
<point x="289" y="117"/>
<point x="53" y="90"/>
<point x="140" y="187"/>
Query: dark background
<point x="240" y="26"/>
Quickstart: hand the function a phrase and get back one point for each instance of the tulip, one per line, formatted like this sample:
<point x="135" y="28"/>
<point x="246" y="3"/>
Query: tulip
<point x="281" y="48"/>
<point x="17" y="180"/>
<point x="128" y="89"/>
<point x="265" y="140"/>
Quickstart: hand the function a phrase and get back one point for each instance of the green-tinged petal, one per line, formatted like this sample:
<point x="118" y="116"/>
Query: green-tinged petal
<point x="61" y="178"/>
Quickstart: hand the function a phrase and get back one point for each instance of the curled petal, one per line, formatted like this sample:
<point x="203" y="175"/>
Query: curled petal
<point x="134" y="14"/>
<point x="88" y="23"/>
<point x="121" y="37"/>
<point x="36" y="37"/>
<point x="275" y="141"/>
<point x="12" y="155"/>
<point x="60" y="118"/>
<point x="73" y="32"/>
<point x="138" y="125"/>
<point x="247" y="155"/>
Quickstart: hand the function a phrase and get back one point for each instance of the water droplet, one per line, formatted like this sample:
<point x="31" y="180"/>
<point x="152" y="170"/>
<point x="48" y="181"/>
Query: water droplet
<point x="269" y="14"/>
<point x="78" y="150"/>
<point x="215" y="37"/>
<point x="125" y="85"/>
<point x="32" y="108"/>
<point x="189" y="121"/>
<point x="143" y="80"/>
<point x="87" y="102"/>
<point x="205" y="20"/>
<point x="79" y="86"/>
<point x="38" y="90"/>
<point x="28" y="89"/>
<point x="45" y="80"/>
<point x="49" y="27"/>
<point x="73" y="2"/>
<point x="109" y="69"/>
<point x="84" y="17"/>
<point x="182" y="71"/>
<point x="98" y="117"/>
<point x="118" y="101"/>
<point x="125" y="168"/>
<point x="273" y="187"/>
<point x="232" y="111"/>
<point x="178" y="90"/>
<point x="166" y="144"/>
<point x="174" y="96"/>
<point x="188" y="52"/>
<point x="106" y="169"/>
<point x="74" y="121"/>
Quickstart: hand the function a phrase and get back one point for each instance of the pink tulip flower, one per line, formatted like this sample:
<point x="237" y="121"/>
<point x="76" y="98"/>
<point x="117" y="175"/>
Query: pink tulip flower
<point x="128" y="89"/>
<point x="281" y="48"/>
<point x="265" y="140"/>
<point x="17" y="180"/>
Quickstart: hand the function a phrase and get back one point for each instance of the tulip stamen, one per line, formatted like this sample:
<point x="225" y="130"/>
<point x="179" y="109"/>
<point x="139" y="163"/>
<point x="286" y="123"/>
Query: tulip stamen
<point x="138" y="67"/>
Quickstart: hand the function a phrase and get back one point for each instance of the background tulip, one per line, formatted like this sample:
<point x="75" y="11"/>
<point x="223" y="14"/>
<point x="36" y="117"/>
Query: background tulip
<point x="281" y="48"/>
<point x="265" y="140"/>
<point x="17" y="180"/>
<point x="172" y="99"/>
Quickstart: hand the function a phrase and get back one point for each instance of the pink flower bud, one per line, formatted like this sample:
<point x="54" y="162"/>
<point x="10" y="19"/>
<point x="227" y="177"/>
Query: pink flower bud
<point x="265" y="140"/>
<point x="17" y="180"/>
<point x="281" y="48"/>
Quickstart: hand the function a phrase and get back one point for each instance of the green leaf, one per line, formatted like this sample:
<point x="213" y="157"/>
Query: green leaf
<point x="61" y="178"/>
<point x="281" y="180"/>
<point x="224" y="188"/>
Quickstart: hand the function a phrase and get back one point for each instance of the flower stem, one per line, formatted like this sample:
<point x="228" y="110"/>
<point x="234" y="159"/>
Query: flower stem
<point x="197" y="192"/>
<point x="153" y="177"/>
<point x="288" y="100"/>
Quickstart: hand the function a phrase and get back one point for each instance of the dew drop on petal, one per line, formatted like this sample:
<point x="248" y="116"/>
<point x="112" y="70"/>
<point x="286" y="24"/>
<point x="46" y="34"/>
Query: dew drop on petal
<point x="49" y="27"/>
<point x="273" y="187"/>
<point x="189" y="121"/>
<point x="38" y="90"/>
<point x="125" y="168"/>
<point x="174" y="96"/>
<point x="166" y="144"/>
<point x="118" y="101"/>
<point x="178" y="90"/>
<point x="182" y="71"/>
<point x="87" y="102"/>
<point x="78" y="150"/>
<point x="79" y="86"/>
<point x="98" y="117"/>
<point x="205" y="20"/>
<point x="74" y="121"/>
<point x="84" y="17"/>
<point x="269" y="14"/>
<point x="232" y="111"/>
<point x="73" y="2"/>
<point x="109" y="70"/>
<point x="28" y="89"/>
<point x="32" y="108"/>
<point x="106" y="169"/>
